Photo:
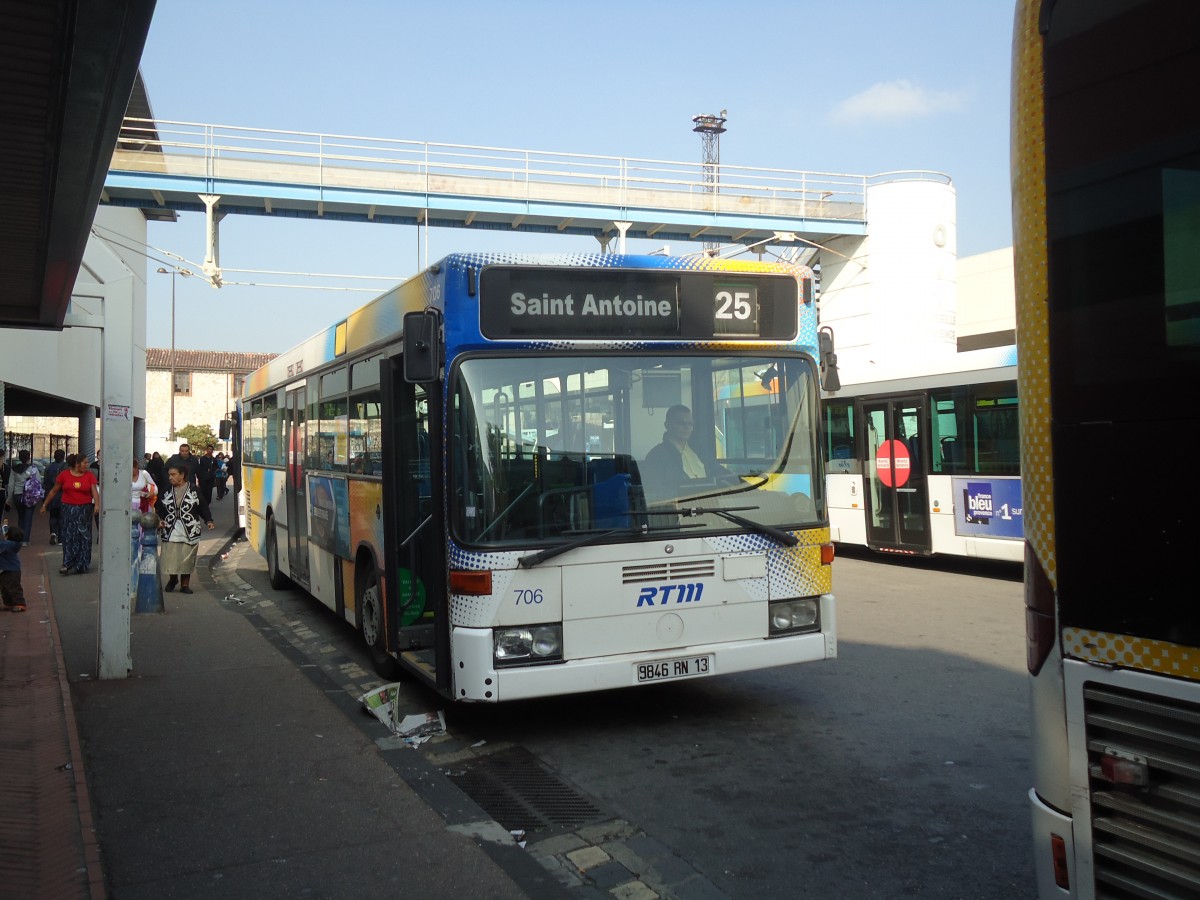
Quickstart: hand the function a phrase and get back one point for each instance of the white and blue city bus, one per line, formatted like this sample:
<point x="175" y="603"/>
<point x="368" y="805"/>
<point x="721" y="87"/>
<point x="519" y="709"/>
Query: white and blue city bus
<point x="459" y="469"/>
<point x="927" y="462"/>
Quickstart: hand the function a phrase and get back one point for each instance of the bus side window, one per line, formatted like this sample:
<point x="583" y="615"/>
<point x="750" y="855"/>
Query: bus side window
<point x="951" y="453"/>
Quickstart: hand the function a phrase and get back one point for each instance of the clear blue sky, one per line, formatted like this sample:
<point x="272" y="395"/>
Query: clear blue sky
<point x="855" y="87"/>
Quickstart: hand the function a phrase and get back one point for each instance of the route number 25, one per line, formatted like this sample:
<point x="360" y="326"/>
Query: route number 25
<point x="733" y="305"/>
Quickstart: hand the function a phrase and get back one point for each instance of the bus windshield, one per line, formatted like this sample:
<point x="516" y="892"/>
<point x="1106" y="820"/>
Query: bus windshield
<point x="548" y="449"/>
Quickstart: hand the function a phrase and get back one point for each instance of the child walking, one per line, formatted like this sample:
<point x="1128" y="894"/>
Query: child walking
<point x="10" y="569"/>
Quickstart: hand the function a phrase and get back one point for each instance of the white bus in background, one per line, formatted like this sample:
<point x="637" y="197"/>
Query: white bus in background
<point x="929" y="462"/>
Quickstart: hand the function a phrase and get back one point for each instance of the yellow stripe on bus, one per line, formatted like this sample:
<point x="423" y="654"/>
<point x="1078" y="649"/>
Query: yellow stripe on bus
<point x="1032" y="288"/>
<point x="1160" y="657"/>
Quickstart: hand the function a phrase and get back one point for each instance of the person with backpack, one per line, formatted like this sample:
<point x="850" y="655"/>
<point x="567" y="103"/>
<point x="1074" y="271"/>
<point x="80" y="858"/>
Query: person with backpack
<point x="24" y="492"/>
<point x="48" y="481"/>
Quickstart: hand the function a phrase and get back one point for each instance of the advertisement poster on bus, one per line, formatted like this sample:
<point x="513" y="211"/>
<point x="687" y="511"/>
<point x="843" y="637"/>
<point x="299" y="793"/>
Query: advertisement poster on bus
<point x="330" y="527"/>
<point x="989" y="507"/>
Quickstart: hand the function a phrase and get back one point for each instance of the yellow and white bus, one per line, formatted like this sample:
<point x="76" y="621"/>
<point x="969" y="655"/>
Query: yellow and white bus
<point x="1106" y="205"/>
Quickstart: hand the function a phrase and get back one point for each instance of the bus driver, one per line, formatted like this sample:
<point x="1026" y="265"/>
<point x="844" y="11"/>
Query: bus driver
<point x="675" y="463"/>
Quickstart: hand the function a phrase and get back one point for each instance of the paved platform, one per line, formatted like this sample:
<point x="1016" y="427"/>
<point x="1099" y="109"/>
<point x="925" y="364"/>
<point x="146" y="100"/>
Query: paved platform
<point x="217" y="769"/>
<point x="48" y="846"/>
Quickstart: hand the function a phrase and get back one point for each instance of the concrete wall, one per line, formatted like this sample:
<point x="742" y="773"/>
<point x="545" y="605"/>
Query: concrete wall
<point x="210" y="401"/>
<point x="986" y="313"/>
<point x="67" y="364"/>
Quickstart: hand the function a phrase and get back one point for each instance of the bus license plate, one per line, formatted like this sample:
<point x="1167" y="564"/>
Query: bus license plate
<point x="665" y="669"/>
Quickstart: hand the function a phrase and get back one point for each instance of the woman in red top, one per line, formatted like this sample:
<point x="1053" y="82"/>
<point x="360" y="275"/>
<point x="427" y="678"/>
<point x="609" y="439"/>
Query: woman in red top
<point x="77" y="483"/>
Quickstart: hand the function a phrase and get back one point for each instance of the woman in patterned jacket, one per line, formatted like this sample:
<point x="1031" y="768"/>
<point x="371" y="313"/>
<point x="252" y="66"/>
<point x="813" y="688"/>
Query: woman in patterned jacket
<point x="184" y="513"/>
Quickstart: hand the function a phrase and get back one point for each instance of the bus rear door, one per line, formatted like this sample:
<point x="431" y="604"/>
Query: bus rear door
<point x="894" y="471"/>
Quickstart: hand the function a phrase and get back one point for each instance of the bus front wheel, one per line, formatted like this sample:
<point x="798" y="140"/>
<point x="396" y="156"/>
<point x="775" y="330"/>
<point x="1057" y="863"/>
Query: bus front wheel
<point x="278" y="580"/>
<point x="370" y="605"/>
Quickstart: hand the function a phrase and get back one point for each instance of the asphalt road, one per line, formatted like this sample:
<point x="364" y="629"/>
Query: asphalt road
<point x="898" y="770"/>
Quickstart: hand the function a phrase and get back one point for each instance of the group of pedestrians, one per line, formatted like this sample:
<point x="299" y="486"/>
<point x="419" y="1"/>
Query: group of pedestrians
<point x="24" y="486"/>
<point x="67" y="492"/>
<point x="209" y="472"/>
<point x="178" y="490"/>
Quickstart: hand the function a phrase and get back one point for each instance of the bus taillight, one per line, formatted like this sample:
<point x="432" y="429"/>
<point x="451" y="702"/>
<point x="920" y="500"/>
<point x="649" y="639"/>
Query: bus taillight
<point x="826" y="554"/>
<point x="476" y="583"/>
<point x="1058" y="852"/>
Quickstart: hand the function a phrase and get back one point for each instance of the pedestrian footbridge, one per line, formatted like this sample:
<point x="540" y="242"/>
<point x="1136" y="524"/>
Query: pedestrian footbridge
<point x="168" y="166"/>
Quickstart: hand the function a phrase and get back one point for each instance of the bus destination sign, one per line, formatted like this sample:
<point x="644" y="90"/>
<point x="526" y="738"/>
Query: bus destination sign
<point x="529" y="302"/>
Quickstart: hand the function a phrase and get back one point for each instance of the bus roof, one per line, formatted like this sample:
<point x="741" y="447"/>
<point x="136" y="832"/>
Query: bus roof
<point x="969" y="367"/>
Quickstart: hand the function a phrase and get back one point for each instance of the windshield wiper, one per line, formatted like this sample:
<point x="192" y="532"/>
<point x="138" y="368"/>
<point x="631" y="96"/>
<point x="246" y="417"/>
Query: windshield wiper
<point x="595" y="537"/>
<point x="788" y="540"/>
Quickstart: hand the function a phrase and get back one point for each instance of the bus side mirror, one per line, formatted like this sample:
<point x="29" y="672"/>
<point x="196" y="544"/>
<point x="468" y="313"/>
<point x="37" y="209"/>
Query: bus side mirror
<point x="224" y="429"/>
<point x="830" y="380"/>
<point x="422" y="346"/>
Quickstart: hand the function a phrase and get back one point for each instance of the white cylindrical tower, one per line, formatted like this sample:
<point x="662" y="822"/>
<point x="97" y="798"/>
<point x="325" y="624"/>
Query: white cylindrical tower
<point x="892" y="304"/>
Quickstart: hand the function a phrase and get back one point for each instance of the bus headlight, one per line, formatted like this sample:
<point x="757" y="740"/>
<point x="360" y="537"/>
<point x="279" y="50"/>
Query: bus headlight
<point x="794" y="616"/>
<point x="528" y="644"/>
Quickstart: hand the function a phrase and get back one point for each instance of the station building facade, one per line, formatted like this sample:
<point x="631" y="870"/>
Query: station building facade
<point x="207" y="385"/>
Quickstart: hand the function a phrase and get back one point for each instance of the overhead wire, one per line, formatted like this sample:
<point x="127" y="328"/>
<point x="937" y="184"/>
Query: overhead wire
<point x="149" y="250"/>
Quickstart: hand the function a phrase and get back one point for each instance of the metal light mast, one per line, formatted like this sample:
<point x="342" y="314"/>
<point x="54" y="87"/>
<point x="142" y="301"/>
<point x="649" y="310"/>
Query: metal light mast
<point x="710" y="129"/>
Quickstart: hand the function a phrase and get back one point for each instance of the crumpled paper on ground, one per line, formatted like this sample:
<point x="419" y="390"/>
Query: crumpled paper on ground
<point x="415" y="728"/>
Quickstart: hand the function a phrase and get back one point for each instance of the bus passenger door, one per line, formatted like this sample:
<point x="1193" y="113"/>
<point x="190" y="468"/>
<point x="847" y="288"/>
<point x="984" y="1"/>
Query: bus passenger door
<point x="415" y="605"/>
<point x="895" y="475"/>
<point x="297" y="493"/>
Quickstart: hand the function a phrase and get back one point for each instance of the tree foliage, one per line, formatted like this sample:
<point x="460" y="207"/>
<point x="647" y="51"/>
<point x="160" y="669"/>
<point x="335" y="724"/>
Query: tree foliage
<point x="199" y="437"/>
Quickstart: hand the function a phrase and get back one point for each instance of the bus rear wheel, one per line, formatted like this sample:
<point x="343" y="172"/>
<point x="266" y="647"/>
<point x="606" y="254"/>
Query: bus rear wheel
<point x="278" y="580"/>
<point x="370" y="623"/>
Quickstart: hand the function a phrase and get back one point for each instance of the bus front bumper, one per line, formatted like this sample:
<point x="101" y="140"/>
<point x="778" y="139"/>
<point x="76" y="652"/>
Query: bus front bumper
<point x="476" y="679"/>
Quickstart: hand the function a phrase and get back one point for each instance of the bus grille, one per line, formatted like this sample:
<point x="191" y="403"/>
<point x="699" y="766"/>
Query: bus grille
<point x="682" y="570"/>
<point x="1146" y="839"/>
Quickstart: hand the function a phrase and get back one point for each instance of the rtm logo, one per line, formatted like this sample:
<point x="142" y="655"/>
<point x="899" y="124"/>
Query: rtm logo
<point x="660" y="596"/>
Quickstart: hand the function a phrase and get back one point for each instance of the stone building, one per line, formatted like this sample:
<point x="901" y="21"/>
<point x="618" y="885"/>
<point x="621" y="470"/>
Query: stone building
<point x="207" y="383"/>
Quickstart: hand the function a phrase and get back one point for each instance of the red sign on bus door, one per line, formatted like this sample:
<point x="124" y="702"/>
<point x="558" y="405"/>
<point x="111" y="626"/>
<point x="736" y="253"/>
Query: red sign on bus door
<point x="893" y="463"/>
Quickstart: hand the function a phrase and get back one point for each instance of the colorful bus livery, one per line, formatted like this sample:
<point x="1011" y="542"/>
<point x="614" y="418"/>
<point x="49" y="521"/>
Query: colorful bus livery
<point x="462" y="469"/>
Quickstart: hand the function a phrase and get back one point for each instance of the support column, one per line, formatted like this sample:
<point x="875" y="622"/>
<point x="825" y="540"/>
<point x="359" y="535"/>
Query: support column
<point x="3" y="443"/>
<point x="113" y="650"/>
<point x="87" y="431"/>
<point x="139" y="438"/>
<point x="212" y="255"/>
<point x="622" y="227"/>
